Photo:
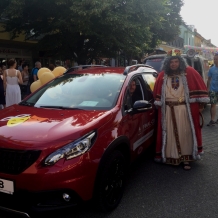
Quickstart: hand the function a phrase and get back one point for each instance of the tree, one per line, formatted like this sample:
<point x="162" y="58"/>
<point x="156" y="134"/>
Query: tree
<point x="84" y="29"/>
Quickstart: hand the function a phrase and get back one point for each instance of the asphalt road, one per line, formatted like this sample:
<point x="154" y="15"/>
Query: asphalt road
<point x="161" y="191"/>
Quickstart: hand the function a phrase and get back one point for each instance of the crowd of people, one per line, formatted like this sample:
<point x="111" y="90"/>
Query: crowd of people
<point x="15" y="81"/>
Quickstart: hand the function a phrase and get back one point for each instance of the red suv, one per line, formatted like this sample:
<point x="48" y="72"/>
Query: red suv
<point x="73" y="139"/>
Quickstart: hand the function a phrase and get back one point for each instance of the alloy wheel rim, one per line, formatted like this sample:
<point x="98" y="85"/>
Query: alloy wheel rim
<point x="114" y="183"/>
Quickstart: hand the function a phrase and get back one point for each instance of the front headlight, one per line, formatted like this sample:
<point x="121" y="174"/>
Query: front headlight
<point x="71" y="150"/>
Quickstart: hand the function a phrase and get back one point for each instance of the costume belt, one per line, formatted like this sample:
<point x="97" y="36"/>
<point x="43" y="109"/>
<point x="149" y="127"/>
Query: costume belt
<point x="171" y="104"/>
<point x="175" y="103"/>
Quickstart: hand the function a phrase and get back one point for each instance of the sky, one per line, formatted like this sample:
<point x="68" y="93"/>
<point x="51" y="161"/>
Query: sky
<point x="203" y="15"/>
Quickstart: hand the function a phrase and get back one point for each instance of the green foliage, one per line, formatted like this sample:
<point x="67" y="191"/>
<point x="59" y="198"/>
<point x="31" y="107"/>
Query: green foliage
<point x="86" y="29"/>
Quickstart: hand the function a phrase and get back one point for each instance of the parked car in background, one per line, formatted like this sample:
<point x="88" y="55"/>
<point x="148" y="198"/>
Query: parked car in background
<point x="73" y="139"/>
<point x="199" y="63"/>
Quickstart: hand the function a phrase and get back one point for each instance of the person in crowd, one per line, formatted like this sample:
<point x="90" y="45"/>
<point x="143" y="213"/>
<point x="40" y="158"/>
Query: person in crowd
<point x="21" y="62"/>
<point x="212" y="86"/>
<point x="180" y="94"/>
<point x="35" y="70"/>
<point x="25" y="73"/>
<point x="12" y="78"/>
<point x="25" y="77"/>
<point x="2" y="94"/>
<point x="4" y="68"/>
<point x="51" y="67"/>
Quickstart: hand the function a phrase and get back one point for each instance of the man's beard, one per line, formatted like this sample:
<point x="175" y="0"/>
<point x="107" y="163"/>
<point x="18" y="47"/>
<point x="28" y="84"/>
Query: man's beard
<point x="173" y="72"/>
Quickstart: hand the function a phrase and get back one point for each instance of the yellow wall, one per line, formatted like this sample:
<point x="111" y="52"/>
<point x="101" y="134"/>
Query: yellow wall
<point x="166" y="47"/>
<point x="197" y="41"/>
<point x="7" y="36"/>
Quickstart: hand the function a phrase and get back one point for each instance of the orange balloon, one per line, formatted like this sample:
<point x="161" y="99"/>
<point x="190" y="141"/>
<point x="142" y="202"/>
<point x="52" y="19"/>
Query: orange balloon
<point x="35" y="85"/>
<point x="46" y="77"/>
<point x="42" y="70"/>
<point x="59" y="71"/>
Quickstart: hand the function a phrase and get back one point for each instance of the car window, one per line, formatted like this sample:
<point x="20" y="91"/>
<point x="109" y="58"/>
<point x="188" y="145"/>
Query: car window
<point x="197" y="66"/>
<point x="149" y="86"/>
<point x="156" y="63"/>
<point x="83" y="91"/>
<point x="134" y="92"/>
<point x="188" y="61"/>
<point x="149" y="81"/>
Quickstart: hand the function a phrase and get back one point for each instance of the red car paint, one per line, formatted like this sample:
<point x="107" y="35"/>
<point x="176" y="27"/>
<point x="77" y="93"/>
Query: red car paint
<point x="49" y="129"/>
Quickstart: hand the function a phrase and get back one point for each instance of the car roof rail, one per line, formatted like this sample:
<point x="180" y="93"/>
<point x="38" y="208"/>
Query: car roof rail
<point x="83" y="67"/>
<point x="135" y="67"/>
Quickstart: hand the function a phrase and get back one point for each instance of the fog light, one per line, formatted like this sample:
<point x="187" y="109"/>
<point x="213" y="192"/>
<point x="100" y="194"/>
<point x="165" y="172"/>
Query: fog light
<point x="66" y="197"/>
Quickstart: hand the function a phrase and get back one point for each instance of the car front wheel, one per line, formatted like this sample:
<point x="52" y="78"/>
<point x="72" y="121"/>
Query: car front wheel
<point x="110" y="183"/>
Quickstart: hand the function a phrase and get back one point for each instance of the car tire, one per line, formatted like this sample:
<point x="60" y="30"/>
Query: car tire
<point x="110" y="182"/>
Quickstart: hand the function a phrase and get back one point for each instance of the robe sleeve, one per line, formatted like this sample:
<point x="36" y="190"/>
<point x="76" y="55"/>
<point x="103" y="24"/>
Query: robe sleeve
<point x="197" y="88"/>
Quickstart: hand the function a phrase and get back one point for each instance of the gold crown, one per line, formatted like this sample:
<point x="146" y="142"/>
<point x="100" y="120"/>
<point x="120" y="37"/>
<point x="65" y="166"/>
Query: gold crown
<point x="174" y="52"/>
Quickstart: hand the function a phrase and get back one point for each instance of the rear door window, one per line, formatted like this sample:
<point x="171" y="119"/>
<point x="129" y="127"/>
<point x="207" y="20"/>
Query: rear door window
<point x="197" y="66"/>
<point x="188" y="61"/>
<point x="156" y="63"/>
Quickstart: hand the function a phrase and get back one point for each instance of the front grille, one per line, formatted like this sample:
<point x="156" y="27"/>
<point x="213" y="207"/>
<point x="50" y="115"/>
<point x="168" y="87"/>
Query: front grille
<point x="16" y="161"/>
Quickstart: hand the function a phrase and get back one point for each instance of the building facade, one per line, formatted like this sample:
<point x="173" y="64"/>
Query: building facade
<point x="18" y="48"/>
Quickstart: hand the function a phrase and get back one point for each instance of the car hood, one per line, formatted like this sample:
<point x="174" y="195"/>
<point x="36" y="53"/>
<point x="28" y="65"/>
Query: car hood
<point x="25" y="126"/>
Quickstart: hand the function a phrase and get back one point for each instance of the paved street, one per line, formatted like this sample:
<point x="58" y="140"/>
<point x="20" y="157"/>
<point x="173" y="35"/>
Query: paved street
<point x="160" y="191"/>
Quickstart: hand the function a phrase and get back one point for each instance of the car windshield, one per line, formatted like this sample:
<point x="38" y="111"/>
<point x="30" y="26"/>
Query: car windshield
<point x="79" y="91"/>
<point x="156" y="63"/>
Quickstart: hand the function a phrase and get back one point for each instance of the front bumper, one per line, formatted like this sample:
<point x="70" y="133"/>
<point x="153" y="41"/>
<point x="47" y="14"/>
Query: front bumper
<point x="26" y="203"/>
<point x="41" y="189"/>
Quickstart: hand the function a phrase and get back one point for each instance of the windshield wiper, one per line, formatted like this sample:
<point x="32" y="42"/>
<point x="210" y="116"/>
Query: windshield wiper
<point x="60" y="107"/>
<point x="26" y="103"/>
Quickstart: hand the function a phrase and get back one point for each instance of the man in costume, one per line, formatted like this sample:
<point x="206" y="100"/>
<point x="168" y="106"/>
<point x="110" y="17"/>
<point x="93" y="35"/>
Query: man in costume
<point x="179" y="93"/>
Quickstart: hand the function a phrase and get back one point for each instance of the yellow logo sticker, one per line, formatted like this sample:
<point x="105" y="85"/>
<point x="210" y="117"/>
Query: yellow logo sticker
<point x="16" y="121"/>
<point x="27" y="119"/>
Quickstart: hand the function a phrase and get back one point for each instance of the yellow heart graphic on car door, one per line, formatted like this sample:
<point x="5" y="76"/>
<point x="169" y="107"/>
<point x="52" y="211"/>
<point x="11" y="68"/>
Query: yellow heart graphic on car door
<point x="16" y="121"/>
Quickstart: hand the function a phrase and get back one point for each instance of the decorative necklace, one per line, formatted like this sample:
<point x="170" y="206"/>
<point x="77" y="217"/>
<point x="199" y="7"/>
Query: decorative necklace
<point x="175" y="82"/>
<point x="175" y="86"/>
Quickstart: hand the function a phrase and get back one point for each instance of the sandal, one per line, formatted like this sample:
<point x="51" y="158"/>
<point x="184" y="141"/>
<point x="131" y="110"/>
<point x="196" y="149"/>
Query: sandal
<point x="186" y="166"/>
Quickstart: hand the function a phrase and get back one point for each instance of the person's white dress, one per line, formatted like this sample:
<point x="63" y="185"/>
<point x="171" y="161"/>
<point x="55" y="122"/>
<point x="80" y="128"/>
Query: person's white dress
<point x="13" y="94"/>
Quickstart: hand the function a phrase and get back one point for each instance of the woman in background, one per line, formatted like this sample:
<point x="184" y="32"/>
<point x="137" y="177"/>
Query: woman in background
<point x="11" y="78"/>
<point x="25" y="77"/>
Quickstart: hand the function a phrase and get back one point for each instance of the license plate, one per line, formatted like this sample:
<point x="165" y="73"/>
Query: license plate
<point x="6" y="186"/>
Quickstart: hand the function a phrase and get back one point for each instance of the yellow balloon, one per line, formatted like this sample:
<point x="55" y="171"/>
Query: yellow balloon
<point x="35" y="85"/>
<point x="59" y="71"/>
<point x="42" y="70"/>
<point x="55" y="73"/>
<point x="46" y="77"/>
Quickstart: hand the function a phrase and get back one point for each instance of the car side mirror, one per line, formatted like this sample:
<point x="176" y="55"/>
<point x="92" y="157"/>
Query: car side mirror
<point x="155" y="74"/>
<point x="141" y="106"/>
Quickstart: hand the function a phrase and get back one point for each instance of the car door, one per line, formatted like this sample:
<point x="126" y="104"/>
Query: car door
<point x="136" y="125"/>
